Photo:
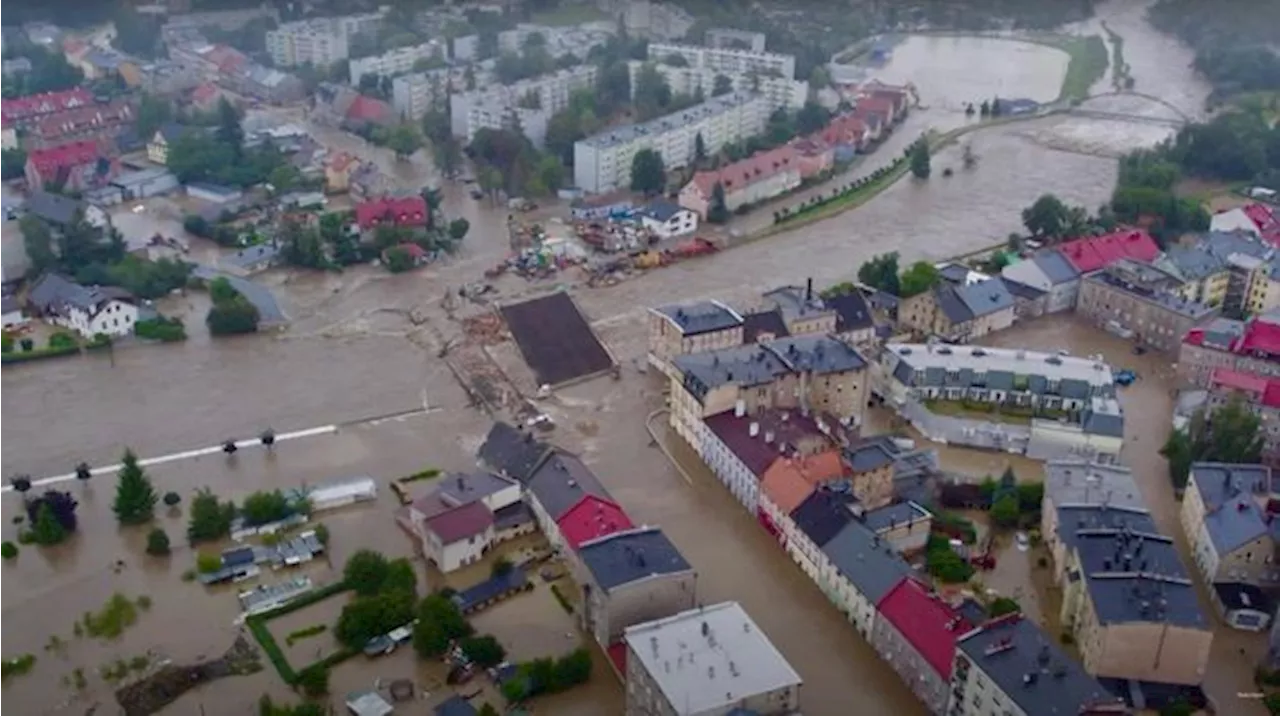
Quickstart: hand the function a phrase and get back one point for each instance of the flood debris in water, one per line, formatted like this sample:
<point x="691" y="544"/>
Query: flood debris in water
<point x="162" y="688"/>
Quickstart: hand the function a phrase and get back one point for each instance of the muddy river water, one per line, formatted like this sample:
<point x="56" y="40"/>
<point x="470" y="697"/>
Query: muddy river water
<point x="352" y="355"/>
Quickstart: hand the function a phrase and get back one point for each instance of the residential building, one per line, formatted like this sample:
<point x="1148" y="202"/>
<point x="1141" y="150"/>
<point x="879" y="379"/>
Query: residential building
<point x="1028" y="301"/>
<point x="631" y="577"/>
<point x="12" y="314"/>
<point x="267" y="84"/>
<point x="860" y="569"/>
<point x="591" y="518"/>
<point x="1077" y="483"/>
<point x="511" y="453"/>
<point x="1251" y="267"/>
<point x="740" y="449"/>
<point x="168" y="133"/>
<point x="779" y="91"/>
<point x="959" y="313"/>
<point x="667" y="220"/>
<point x="214" y="193"/>
<point x="1257" y="219"/>
<point x="916" y="633"/>
<point x="396" y="61"/>
<point x="1204" y="276"/>
<point x="83" y="309"/>
<point x="458" y="537"/>
<point x="206" y="96"/>
<point x="414" y="95"/>
<point x="21" y="112"/>
<point x="317" y="41"/>
<point x="602" y="162"/>
<point x="1127" y="600"/>
<point x="758" y="178"/>
<point x="904" y="526"/>
<point x="805" y="373"/>
<point x="532" y="102"/>
<point x="723" y="664"/>
<point x="602" y="206"/>
<point x="98" y="121"/>
<point x="727" y="60"/>
<point x="460" y="520"/>
<point x="75" y="166"/>
<point x="681" y="329"/>
<point x="871" y="463"/>
<point x="1228" y="529"/>
<point x="1009" y="666"/>
<point x="59" y="211"/>
<point x="1249" y="347"/>
<point x="167" y="77"/>
<point x="558" y="484"/>
<point x="1098" y="252"/>
<point x="408" y="211"/>
<point x="1260" y="395"/>
<point x="1140" y="301"/>
<point x="1243" y="606"/>
<point x="729" y="39"/>
<point x="846" y="316"/>
<point x="785" y="486"/>
<point x="212" y="62"/>
<point x="1051" y="272"/>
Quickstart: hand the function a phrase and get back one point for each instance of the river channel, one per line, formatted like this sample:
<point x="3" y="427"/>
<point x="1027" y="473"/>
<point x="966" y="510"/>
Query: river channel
<point x="352" y="353"/>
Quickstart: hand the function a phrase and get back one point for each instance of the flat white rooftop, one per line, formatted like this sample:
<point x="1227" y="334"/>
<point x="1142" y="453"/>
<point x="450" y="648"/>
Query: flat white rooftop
<point x="708" y="658"/>
<point x="984" y="359"/>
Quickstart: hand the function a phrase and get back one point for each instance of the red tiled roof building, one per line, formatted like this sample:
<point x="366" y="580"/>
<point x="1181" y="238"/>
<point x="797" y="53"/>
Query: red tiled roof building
<point x="916" y="632"/>
<point x="409" y="211"/>
<point x="76" y="166"/>
<point x="20" y="111"/>
<point x="1098" y="252"/>
<point x="593" y="517"/>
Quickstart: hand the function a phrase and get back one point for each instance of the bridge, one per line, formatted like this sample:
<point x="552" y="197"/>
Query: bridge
<point x="1127" y="117"/>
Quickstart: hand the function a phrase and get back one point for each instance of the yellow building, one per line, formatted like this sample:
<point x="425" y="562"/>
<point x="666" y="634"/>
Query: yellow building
<point x="691" y="328"/>
<point x="158" y="145"/>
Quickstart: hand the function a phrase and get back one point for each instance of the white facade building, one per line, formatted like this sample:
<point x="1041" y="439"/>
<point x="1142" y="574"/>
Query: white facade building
<point x="782" y="92"/>
<point x="83" y="309"/>
<point x="728" y="61"/>
<point x="602" y="163"/>
<point x="394" y="62"/>
<point x="495" y="107"/>
<point x="317" y="41"/>
<point x="668" y="220"/>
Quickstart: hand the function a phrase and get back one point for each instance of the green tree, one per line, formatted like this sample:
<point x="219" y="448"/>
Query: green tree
<point x="1229" y="434"/>
<point x="717" y="210"/>
<point x="699" y="149"/>
<point x="229" y="131"/>
<point x="153" y="112"/>
<point x="38" y="241"/>
<point x="314" y="680"/>
<point x="881" y="271"/>
<point x="404" y="141"/>
<point x="265" y="506"/>
<point x="458" y="229"/>
<point x="284" y="178"/>
<point x="1047" y="217"/>
<point x="648" y="174"/>
<point x="1005" y="511"/>
<point x="231" y="312"/>
<point x="485" y="650"/>
<point x="920" y="161"/>
<point x="208" y="518"/>
<point x="723" y="85"/>
<point x="13" y="164"/>
<point x="46" y="530"/>
<point x="613" y="85"/>
<point x="572" y="669"/>
<point x="1001" y="606"/>
<point x="157" y="542"/>
<point x="439" y="622"/>
<point x="819" y="78"/>
<point x="487" y="709"/>
<point x="365" y="572"/>
<point x="920" y="277"/>
<point x="812" y="117"/>
<point x="367" y="617"/>
<point x="399" y="260"/>
<point x="136" y="498"/>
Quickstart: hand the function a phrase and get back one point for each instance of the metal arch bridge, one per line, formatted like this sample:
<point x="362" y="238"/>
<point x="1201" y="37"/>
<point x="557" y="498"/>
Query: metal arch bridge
<point x="1181" y="120"/>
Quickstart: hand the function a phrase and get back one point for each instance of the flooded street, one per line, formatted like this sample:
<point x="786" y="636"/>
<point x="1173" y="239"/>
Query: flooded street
<point x="352" y="354"/>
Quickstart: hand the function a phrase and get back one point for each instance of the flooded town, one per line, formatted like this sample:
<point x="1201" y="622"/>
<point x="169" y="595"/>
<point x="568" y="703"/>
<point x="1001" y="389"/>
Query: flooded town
<point x="635" y="358"/>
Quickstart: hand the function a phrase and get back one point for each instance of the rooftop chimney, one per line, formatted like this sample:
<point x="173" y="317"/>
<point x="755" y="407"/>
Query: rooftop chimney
<point x="740" y="408"/>
<point x="808" y="289"/>
<point x="753" y="429"/>
<point x="768" y="436"/>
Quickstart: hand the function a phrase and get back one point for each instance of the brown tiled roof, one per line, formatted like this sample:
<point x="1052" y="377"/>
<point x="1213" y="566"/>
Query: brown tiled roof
<point x="757" y="167"/>
<point x="462" y="522"/>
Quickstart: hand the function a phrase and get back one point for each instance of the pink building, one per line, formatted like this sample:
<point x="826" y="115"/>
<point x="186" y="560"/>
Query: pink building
<point x="757" y="178"/>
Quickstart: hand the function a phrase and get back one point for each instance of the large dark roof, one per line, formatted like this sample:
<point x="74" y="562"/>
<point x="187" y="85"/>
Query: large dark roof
<point x="555" y="339"/>
<point x="54" y="208"/>
<point x="561" y="481"/>
<point x="761" y="322"/>
<point x="817" y="354"/>
<point x="852" y="312"/>
<point x="822" y="515"/>
<point x="951" y="306"/>
<point x="1031" y="670"/>
<point x="701" y="317"/>
<point x="54" y="292"/>
<point x="870" y="453"/>
<point x="868" y="562"/>
<point x="625" y="557"/>
<point x="755" y="452"/>
<point x="1022" y="290"/>
<point x="510" y="452"/>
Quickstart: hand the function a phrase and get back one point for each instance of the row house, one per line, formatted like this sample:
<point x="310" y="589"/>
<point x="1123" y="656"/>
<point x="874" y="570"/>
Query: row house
<point x="457" y="523"/>
<point x="847" y="316"/>
<point x="741" y="448"/>
<point x="680" y="329"/>
<point x="959" y="313"/>
<point x="757" y="178"/>
<point x="1260" y="220"/>
<point x="916" y="633"/>
<point x="98" y="121"/>
<point x="406" y="212"/>
<point x="22" y="112"/>
<point x="1138" y="300"/>
<point x="1250" y="347"/>
<point x="75" y="166"/>
<point x="1050" y="272"/>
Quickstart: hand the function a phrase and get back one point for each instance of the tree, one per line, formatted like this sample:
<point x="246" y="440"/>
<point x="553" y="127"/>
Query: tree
<point x="1046" y="217"/>
<point x="812" y="117"/>
<point x="399" y="260"/>
<point x="209" y="519"/>
<point x="439" y="622"/>
<point x="1005" y="511"/>
<point x="135" y="501"/>
<point x="613" y="85"/>
<point x="229" y="131"/>
<point x="157" y="542"/>
<point x="314" y="680"/>
<point x="153" y="112"/>
<point x="881" y="272"/>
<point x="486" y="709"/>
<point x="723" y="85"/>
<point x="21" y="484"/>
<point x="458" y="229"/>
<point x="231" y="312"/>
<point x="45" y="529"/>
<point x="8" y="550"/>
<point x="917" y="279"/>
<point x="263" y="507"/>
<point x="404" y="141"/>
<point x="648" y="174"/>
<point x="13" y="164"/>
<point x="38" y="241"/>
<point x="485" y="650"/>
<point x="717" y="210"/>
<point x="365" y="572"/>
<point x="920" y="163"/>
<point x="699" y="149"/>
<point x="283" y="178"/>
<point x="367" y="617"/>
<point x="1229" y="434"/>
<point x="1001" y="606"/>
<point x="572" y="669"/>
<point x="819" y="78"/>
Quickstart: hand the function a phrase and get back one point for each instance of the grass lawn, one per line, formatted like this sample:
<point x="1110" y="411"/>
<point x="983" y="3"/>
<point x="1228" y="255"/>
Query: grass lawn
<point x="956" y="409"/>
<point x="1088" y="63"/>
<point x="569" y="15"/>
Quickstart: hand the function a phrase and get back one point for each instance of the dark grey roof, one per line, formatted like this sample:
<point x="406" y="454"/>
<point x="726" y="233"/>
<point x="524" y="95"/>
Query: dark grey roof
<point x="1031" y="670"/>
<point x="510" y="452"/>
<point x="954" y="273"/>
<point x="55" y="292"/>
<point x="951" y="306"/>
<point x="561" y="481"/>
<point x="455" y="706"/>
<point x="631" y="555"/>
<point x="822" y="515"/>
<point x="9" y="304"/>
<point x="459" y="488"/>
<point x="1096" y="423"/>
<point x="745" y="366"/>
<point x="882" y="301"/>
<point x="796" y="302"/>
<point x="870" y="454"/>
<point x="1022" y="290"/>
<point x="1235" y="523"/>
<point x="1055" y="267"/>
<point x="817" y="354"/>
<point x="1074" y="388"/>
<point x="253" y="255"/>
<point x="905" y="374"/>
<point x="663" y="210"/>
<point x="985" y="297"/>
<point x="702" y="317"/>
<point x="54" y="208"/>
<point x="1223" y="244"/>
<point x="1218" y="482"/>
<point x="1193" y="262"/>
<point x="852" y="312"/>
<point x="1240" y="595"/>
<point x="868" y="562"/>
<point x="761" y="322"/>
<point x="891" y="516"/>
<point x="172" y="131"/>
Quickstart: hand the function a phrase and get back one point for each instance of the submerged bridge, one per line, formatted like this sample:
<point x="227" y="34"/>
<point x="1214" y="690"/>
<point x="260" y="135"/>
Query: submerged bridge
<point x="1174" y="122"/>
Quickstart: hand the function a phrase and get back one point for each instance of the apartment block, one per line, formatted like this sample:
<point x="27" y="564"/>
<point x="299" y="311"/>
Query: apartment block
<point x="602" y="163"/>
<point x="708" y="661"/>
<point x="631" y="577"/>
<point x="1138" y="300"/>
<point x="318" y="41"/>
<point x="727" y="39"/>
<point x="415" y="94"/>
<point x="528" y="104"/>
<point x="681" y="329"/>
<point x="1260" y="395"/>
<point x="1225" y="519"/>
<point x="1250" y="348"/>
<point x="727" y="60"/>
<point x="916" y="633"/>
<point x="394" y="62"/>
<point x="781" y="92"/>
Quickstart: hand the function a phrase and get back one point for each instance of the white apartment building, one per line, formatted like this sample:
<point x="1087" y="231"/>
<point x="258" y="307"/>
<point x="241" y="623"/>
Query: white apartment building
<point x="602" y="163"/>
<point x="317" y="41"/>
<point x="727" y="60"/>
<point x="781" y="92"/>
<point x="560" y="41"/>
<point x="415" y="94"/>
<point x="495" y="107"/>
<point x="394" y="62"/>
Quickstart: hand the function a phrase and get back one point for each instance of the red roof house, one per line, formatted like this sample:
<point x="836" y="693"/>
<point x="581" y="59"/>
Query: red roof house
<point x="96" y="120"/>
<point x="591" y="518"/>
<point x="76" y="165"/>
<point x="1097" y="252"/>
<point x="744" y="181"/>
<point x="926" y="622"/>
<point x="461" y="523"/>
<point x="406" y="211"/>
<point x="367" y="110"/>
<point x="1261" y="337"/>
<point x="1264" y="217"/>
<point x="846" y="130"/>
<point x="23" y="109"/>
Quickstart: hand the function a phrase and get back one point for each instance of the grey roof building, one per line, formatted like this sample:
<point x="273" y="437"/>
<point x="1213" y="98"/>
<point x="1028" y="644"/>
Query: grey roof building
<point x="816" y="354"/>
<point x="701" y="317"/>
<point x="822" y="515"/>
<point x="852" y="312"/>
<point x="1080" y="482"/>
<point x="763" y="363"/>
<point x="512" y="453"/>
<point x="707" y="661"/>
<point x="985" y="297"/>
<point x="55" y="294"/>
<point x="1021" y="290"/>
<point x="866" y="561"/>
<point x="1055" y="267"/>
<point x="951" y="305"/>
<point x="1028" y="669"/>
<point x="630" y="577"/>
<point x="763" y="324"/>
<point x="1192" y="263"/>
<point x="560" y="481"/>
<point x="54" y="208"/>
<point x="631" y="555"/>
<point x="797" y="303"/>
<point x="890" y="516"/>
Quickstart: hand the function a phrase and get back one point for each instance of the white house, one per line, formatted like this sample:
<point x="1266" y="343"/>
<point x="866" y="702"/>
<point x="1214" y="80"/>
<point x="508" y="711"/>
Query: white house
<point x="86" y="310"/>
<point x="458" y="537"/>
<point x="667" y="219"/>
<point x="459" y="521"/>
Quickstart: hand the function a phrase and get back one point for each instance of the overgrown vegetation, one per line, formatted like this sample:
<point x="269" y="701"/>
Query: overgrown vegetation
<point x="305" y="633"/>
<point x="221" y="156"/>
<point x="548" y="676"/>
<point x="1234" y="41"/>
<point x="52" y="517"/>
<point x="109" y="622"/>
<point x="161" y="328"/>
<point x="1227" y="434"/>
<point x="209" y="518"/>
<point x="944" y="564"/>
<point x="17" y="666"/>
<point x="92" y="255"/>
<point x="439" y="622"/>
<point x="231" y="313"/>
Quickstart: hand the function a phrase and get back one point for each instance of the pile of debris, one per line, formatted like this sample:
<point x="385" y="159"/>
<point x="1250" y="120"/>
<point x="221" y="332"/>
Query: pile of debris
<point x="162" y="688"/>
<point x="487" y="329"/>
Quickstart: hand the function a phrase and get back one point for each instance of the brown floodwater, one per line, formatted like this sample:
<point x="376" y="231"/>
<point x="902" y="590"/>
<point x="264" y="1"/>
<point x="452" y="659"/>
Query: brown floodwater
<point x="363" y="344"/>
